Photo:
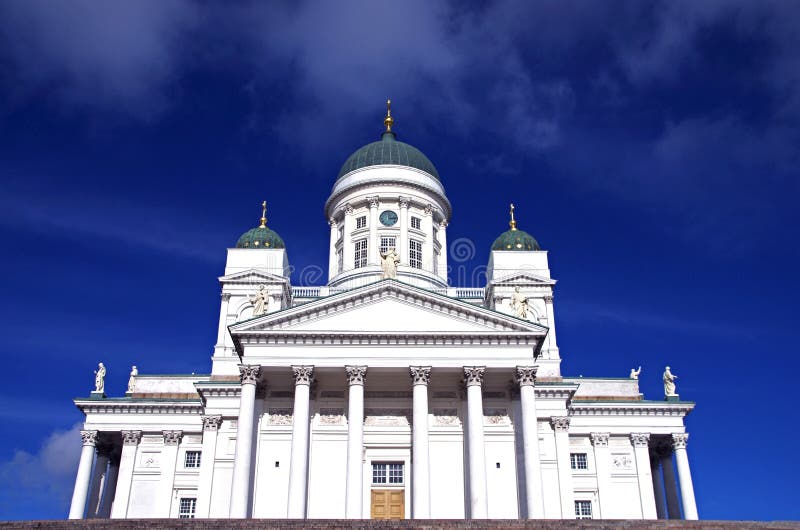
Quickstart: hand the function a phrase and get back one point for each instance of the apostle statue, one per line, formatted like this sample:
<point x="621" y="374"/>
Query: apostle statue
<point x="389" y="262"/>
<point x="519" y="303"/>
<point x="669" y="383"/>
<point x="259" y="301"/>
<point x="100" y="378"/>
<point x="635" y="372"/>
<point x="132" y="379"/>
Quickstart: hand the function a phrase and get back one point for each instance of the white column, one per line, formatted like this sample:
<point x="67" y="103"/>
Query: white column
<point x="420" y="468"/>
<point x="658" y="487"/>
<point x="671" y="487"/>
<point x="641" y="452"/>
<point x="111" y="485"/>
<point x="560" y="426"/>
<point x="372" y="246"/>
<point x="356" y="376"/>
<point x="402" y="244"/>
<point x="211" y="426"/>
<point x="99" y="479"/>
<point x="243" y="460"/>
<point x="298" y="466"/>
<point x="166" y="482"/>
<point x="130" y="441"/>
<point x="427" y="245"/>
<point x="479" y="502"/>
<point x="333" y="262"/>
<point x="81" y="491"/>
<point x="347" y="239"/>
<point x="603" y="471"/>
<point x="684" y="476"/>
<point x="443" y="243"/>
<point x="223" y="320"/>
<point x="526" y="375"/>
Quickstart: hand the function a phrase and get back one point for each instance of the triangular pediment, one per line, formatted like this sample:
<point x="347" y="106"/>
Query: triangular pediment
<point x="523" y="278"/>
<point x="251" y="276"/>
<point x="388" y="307"/>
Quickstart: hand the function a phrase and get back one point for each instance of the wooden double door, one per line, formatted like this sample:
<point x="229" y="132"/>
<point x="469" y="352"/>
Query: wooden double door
<point x="388" y="504"/>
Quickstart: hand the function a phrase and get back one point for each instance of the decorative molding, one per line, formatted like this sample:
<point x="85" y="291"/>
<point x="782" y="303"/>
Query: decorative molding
<point x="526" y="375"/>
<point x="446" y="417"/>
<point x="640" y="439"/>
<point x="548" y="299"/>
<point x="621" y="461"/>
<point x="172" y="437"/>
<point x="403" y="202"/>
<point x="356" y="375"/>
<point x="89" y="437"/>
<point x="348" y="209"/>
<point x="212" y="422"/>
<point x="599" y="439"/>
<point x="280" y="416"/>
<point x="331" y="416"/>
<point x="193" y="407"/>
<point x="428" y="209"/>
<point x="560" y="423"/>
<point x="131" y="437"/>
<point x="209" y="389"/>
<point x="387" y="417"/>
<point x="679" y="440"/>
<point x="303" y="375"/>
<point x="420" y="375"/>
<point x="473" y="375"/>
<point x="325" y="338"/>
<point x="249" y="374"/>
<point x="496" y="417"/>
<point x="629" y="409"/>
<point x="374" y="202"/>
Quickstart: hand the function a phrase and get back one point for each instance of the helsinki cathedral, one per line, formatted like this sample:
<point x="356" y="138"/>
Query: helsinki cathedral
<point x="385" y="393"/>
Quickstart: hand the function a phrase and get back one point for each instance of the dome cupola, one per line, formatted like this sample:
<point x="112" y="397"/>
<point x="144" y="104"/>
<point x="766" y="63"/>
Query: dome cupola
<point x="261" y="236"/>
<point x="515" y="239"/>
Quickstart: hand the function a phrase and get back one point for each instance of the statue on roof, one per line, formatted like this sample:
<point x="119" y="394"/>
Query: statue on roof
<point x="259" y="301"/>
<point x="669" y="383"/>
<point x="519" y="303"/>
<point x="635" y="372"/>
<point x="132" y="379"/>
<point x="100" y="379"/>
<point x="389" y="262"/>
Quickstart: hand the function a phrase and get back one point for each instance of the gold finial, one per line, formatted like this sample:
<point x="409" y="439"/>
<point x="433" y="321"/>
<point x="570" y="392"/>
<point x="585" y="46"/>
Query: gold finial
<point x="388" y="121"/>
<point x="263" y="215"/>
<point x="512" y="223"/>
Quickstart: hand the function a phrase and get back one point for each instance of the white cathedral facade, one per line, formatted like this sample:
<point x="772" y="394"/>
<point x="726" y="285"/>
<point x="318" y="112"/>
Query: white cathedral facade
<point x="385" y="393"/>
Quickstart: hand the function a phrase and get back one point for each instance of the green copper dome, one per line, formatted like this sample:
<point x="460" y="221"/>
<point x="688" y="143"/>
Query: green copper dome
<point x="515" y="240"/>
<point x="261" y="236"/>
<point x="388" y="151"/>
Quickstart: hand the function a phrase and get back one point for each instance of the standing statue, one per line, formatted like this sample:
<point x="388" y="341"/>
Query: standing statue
<point x="519" y="304"/>
<point x="389" y="262"/>
<point x="635" y="372"/>
<point x="132" y="379"/>
<point x="669" y="383"/>
<point x="100" y="378"/>
<point x="259" y="301"/>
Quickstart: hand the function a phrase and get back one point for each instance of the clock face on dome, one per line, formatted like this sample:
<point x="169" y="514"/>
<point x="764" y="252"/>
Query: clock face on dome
<point x="388" y="218"/>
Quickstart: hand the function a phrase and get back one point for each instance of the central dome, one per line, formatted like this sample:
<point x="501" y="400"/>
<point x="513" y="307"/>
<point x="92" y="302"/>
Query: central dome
<point x="388" y="151"/>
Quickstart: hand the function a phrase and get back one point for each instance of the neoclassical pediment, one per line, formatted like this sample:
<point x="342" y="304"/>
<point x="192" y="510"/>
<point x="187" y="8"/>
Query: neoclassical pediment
<point x="523" y="278"/>
<point x="252" y="276"/>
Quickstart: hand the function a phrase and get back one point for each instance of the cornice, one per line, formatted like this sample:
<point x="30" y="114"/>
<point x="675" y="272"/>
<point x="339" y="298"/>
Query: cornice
<point x="208" y="389"/>
<point x="139" y="406"/>
<point x="327" y="338"/>
<point x="630" y="409"/>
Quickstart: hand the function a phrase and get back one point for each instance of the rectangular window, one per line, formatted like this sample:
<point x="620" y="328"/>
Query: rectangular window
<point x="192" y="459"/>
<point x="360" y="254"/>
<point x="415" y="254"/>
<point x="583" y="509"/>
<point x="387" y="473"/>
<point x="187" y="507"/>
<point x="578" y="461"/>
<point x="388" y="242"/>
<point x="416" y="223"/>
<point x="361" y="222"/>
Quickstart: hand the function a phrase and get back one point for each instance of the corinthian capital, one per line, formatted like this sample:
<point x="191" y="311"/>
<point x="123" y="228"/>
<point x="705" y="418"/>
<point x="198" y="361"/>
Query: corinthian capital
<point x="212" y="422"/>
<point x="473" y="375"/>
<point x="172" y="437"/>
<point x="679" y="440"/>
<point x="526" y="375"/>
<point x="373" y="201"/>
<point x="89" y="437"/>
<point x="403" y="201"/>
<point x="640" y="439"/>
<point x="560" y="423"/>
<point x="356" y="375"/>
<point x="131" y="437"/>
<point x="303" y="375"/>
<point x="248" y="374"/>
<point x="599" y="439"/>
<point x="420" y="375"/>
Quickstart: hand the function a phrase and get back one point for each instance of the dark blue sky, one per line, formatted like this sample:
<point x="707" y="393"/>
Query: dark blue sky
<point x="651" y="147"/>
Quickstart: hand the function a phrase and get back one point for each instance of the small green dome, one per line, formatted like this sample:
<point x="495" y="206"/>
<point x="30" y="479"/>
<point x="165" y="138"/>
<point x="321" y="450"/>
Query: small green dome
<point x="388" y="151"/>
<point x="515" y="240"/>
<point x="260" y="237"/>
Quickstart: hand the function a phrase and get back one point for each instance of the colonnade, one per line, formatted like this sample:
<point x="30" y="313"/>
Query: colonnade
<point x="665" y="486"/>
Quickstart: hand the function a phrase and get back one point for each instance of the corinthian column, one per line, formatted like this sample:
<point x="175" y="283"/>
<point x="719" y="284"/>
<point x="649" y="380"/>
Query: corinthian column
<point x="99" y="479"/>
<point x="298" y="466"/>
<point x="420" y="470"/>
<point x="169" y="459"/>
<point x="208" y="456"/>
<point x="684" y="476"/>
<point x="473" y="379"/>
<point x="372" y="246"/>
<point x="356" y="376"/>
<point x="242" y="461"/>
<point x="526" y="375"/>
<point x="602" y="462"/>
<point x="560" y="426"/>
<point x="130" y="441"/>
<point x="641" y="452"/>
<point x="81" y="491"/>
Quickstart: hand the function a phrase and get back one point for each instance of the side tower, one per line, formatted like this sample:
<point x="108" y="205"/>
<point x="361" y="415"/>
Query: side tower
<point x="388" y="196"/>
<point x="256" y="282"/>
<point x="519" y="284"/>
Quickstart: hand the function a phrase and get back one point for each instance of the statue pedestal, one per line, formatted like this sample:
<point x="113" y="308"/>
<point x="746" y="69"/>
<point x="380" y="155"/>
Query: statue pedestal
<point x="674" y="397"/>
<point x="97" y="395"/>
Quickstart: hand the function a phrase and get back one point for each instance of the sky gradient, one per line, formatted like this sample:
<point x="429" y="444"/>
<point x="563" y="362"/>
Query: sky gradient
<point x="650" y="147"/>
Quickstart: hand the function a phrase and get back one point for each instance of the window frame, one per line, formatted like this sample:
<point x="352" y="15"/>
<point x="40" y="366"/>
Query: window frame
<point x="361" y="222"/>
<point x="416" y="223"/>
<point x="415" y="262"/>
<point x="574" y="461"/>
<point x="580" y="513"/>
<point x="384" y="249"/>
<point x="191" y="506"/>
<point x="360" y="254"/>
<point x="194" y="464"/>
<point x="386" y="472"/>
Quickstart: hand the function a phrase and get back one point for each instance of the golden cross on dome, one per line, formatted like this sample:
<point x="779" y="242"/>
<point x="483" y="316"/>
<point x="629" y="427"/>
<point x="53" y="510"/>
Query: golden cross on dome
<point x="512" y="223"/>
<point x="263" y="215"/>
<point x="388" y="121"/>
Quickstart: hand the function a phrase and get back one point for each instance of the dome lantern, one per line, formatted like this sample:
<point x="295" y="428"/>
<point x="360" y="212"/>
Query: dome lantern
<point x="261" y="237"/>
<point x="515" y="239"/>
